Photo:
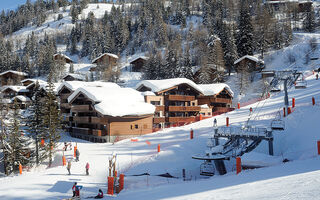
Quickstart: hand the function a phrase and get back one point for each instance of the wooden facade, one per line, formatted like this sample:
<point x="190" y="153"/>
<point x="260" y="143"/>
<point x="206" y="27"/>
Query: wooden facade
<point x="246" y="63"/>
<point x="62" y="58"/>
<point x="137" y="64"/>
<point x="106" y="59"/>
<point x="177" y="104"/>
<point x="74" y="77"/>
<point x="218" y="103"/>
<point x="12" y="77"/>
<point x="89" y="124"/>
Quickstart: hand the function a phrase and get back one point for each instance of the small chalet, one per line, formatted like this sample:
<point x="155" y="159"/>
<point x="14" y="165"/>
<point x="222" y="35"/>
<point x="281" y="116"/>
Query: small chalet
<point x="74" y="77"/>
<point x="250" y="63"/>
<point x="9" y="92"/>
<point x="101" y="114"/>
<point x="11" y="77"/>
<point x="293" y="5"/>
<point x="218" y="97"/>
<point x="107" y="59"/>
<point x="175" y="100"/>
<point x="63" y="58"/>
<point x="138" y="63"/>
<point x="22" y="101"/>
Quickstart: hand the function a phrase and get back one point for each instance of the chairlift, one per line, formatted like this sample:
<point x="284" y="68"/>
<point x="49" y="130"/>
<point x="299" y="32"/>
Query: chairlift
<point x="277" y="124"/>
<point x="301" y="84"/>
<point x="206" y="168"/>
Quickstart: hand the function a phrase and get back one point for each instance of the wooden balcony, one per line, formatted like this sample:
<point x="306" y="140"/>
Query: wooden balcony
<point x="158" y="120"/>
<point x="81" y="108"/>
<point x="222" y="109"/>
<point x="95" y="120"/>
<point x="221" y="100"/>
<point x="159" y="108"/>
<point x="181" y="119"/>
<point x="65" y="105"/>
<point x="82" y="131"/>
<point x="180" y="98"/>
<point x="64" y="96"/>
<point x="82" y="120"/>
<point x="184" y="108"/>
<point x="99" y="132"/>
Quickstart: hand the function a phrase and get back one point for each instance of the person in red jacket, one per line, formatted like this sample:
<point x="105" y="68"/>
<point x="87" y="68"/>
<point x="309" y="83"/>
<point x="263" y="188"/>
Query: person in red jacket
<point x="74" y="187"/>
<point x="100" y="195"/>
<point x="87" y="168"/>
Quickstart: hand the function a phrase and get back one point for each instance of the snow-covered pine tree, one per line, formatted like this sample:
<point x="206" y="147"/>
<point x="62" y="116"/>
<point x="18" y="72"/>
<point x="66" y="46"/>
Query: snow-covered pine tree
<point x="309" y="23"/>
<point x="245" y="40"/>
<point x="51" y="119"/>
<point x="187" y="65"/>
<point x="18" y="147"/>
<point x="35" y="123"/>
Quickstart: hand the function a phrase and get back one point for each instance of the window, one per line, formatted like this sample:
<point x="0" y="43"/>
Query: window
<point x="209" y="113"/>
<point x="155" y="103"/>
<point x="193" y="104"/>
<point x="136" y="126"/>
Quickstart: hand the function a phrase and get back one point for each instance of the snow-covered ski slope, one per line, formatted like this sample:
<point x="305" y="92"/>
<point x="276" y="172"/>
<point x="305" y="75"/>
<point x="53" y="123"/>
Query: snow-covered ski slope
<point x="297" y="179"/>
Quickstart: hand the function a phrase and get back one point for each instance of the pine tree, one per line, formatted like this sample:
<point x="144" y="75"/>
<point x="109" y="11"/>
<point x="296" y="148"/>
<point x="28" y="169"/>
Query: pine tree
<point x="245" y="44"/>
<point x="35" y="123"/>
<point x="18" y="146"/>
<point x="52" y="119"/>
<point x="309" y="22"/>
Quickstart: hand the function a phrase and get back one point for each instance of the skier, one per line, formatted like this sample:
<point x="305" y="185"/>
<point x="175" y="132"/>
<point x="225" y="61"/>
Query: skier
<point x="100" y="195"/>
<point x="87" y="168"/>
<point x="77" y="155"/>
<point x="317" y="76"/>
<point x="250" y="110"/>
<point x="65" y="146"/>
<point x="69" y="167"/>
<point x="215" y="122"/>
<point x="74" y="189"/>
<point x="78" y="188"/>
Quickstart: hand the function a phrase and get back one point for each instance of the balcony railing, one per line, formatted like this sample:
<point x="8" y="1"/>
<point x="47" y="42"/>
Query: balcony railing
<point x="88" y="131"/>
<point x="184" y="108"/>
<point x="181" y="119"/>
<point x="159" y="108"/>
<point x="158" y="120"/>
<point x="180" y="98"/>
<point x="222" y="109"/>
<point x="81" y="108"/>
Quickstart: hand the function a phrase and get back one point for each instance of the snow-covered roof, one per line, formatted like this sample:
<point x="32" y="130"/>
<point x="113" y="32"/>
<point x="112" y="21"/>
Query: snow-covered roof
<point x="44" y="86"/>
<point x="63" y="55"/>
<point x="205" y="106"/>
<point x="148" y="93"/>
<point x="21" y="98"/>
<point x="213" y="89"/>
<point x="159" y="85"/>
<point x="14" y="72"/>
<point x="116" y="102"/>
<point x="76" y="76"/>
<point x="73" y="85"/>
<point x="255" y="59"/>
<point x="109" y="54"/>
<point x="136" y="58"/>
<point x="15" y="88"/>
<point x="41" y="82"/>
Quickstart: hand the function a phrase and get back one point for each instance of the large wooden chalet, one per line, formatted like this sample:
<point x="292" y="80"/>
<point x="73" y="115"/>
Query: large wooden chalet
<point x="249" y="63"/>
<point x="179" y="101"/>
<point x="107" y="114"/>
<point x="11" y="77"/>
<point x="107" y="59"/>
<point x="218" y="97"/>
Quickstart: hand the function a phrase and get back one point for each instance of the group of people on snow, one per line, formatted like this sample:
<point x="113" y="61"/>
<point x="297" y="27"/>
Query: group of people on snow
<point x="76" y="191"/>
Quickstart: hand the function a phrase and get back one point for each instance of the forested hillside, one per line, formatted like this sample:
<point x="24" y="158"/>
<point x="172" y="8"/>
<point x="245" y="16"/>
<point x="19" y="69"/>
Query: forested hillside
<point x="196" y="39"/>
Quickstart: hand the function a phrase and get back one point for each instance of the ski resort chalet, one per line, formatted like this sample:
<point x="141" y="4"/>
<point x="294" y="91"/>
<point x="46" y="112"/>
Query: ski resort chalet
<point x="138" y="63"/>
<point x="108" y="114"/>
<point x="62" y="58"/>
<point x="180" y="101"/>
<point x="106" y="59"/>
<point x="217" y="96"/>
<point x="11" y="77"/>
<point x="249" y="63"/>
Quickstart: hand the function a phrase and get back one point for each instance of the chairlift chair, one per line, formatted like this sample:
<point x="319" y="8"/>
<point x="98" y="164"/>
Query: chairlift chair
<point x="207" y="168"/>
<point x="275" y="89"/>
<point x="277" y="124"/>
<point x="301" y="84"/>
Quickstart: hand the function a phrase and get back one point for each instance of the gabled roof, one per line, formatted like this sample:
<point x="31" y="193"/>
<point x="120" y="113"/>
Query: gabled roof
<point x="21" y="98"/>
<point x="160" y="85"/>
<point x="14" y="72"/>
<point x="75" y="76"/>
<point x="63" y="55"/>
<point x="73" y="85"/>
<point x="248" y="57"/>
<point x="216" y="88"/>
<point x="117" y="102"/>
<point x="108" y="54"/>
<point x="15" y="88"/>
<point x="137" y="58"/>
